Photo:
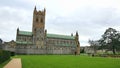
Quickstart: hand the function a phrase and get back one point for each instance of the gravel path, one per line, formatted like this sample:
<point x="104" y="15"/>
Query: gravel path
<point x="14" y="63"/>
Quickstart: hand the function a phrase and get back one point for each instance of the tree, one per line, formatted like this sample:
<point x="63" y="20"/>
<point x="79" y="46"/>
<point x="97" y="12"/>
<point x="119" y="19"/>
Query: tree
<point x="110" y="40"/>
<point x="94" y="45"/>
<point x="82" y="50"/>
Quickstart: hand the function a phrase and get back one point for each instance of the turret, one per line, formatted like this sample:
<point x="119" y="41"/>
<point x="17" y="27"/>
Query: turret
<point x="77" y="36"/>
<point x="44" y="11"/>
<point x="35" y="10"/>
<point x="17" y="31"/>
<point x="45" y="33"/>
<point x="71" y="34"/>
<point x="77" y="43"/>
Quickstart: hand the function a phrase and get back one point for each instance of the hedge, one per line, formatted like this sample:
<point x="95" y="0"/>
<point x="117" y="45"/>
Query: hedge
<point x="12" y="53"/>
<point x="4" y="55"/>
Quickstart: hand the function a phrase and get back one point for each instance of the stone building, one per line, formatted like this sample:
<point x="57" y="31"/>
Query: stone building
<point x="40" y="42"/>
<point x="9" y="46"/>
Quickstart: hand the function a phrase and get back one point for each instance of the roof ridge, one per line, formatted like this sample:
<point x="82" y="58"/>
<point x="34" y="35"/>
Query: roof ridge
<point x="25" y="31"/>
<point x="59" y="34"/>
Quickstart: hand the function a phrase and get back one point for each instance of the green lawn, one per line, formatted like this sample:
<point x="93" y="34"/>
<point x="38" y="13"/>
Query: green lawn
<point x="68" y="61"/>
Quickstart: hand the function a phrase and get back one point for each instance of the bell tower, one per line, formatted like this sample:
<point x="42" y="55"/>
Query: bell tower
<point x="38" y="27"/>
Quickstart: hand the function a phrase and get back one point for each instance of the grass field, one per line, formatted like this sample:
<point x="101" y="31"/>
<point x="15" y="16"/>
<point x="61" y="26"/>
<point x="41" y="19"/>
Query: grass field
<point x="68" y="61"/>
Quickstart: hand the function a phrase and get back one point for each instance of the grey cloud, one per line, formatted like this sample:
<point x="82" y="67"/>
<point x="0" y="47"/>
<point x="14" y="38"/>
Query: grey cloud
<point x="12" y="18"/>
<point x="16" y="4"/>
<point x="88" y="21"/>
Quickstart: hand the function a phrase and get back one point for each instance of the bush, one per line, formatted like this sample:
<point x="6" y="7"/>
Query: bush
<point x="12" y="53"/>
<point x="4" y="55"/>
<point x="82" y="51"/>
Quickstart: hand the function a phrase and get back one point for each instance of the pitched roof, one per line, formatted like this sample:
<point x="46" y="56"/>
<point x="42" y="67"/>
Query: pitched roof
<point x="48" y="35"/>
<point x="23" y="42"/>
<point x="25" y="33"/>
<point x="60" y="36"/>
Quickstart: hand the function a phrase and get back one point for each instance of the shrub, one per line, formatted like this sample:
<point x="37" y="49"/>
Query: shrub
<point x="12" y="53"/>
<point x="4" y="55"/>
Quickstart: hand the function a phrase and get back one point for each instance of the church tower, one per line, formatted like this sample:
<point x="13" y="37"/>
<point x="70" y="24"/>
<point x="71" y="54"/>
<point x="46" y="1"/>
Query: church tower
<point x="38" y="27"/>
<point x="77" y="43"/>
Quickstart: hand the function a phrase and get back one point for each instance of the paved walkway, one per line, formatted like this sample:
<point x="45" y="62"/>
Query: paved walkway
<point x="14" y="63"/>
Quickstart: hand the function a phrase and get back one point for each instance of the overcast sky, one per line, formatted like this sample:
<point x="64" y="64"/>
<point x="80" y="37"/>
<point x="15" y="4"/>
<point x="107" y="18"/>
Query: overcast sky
<point x="89" y="17"/>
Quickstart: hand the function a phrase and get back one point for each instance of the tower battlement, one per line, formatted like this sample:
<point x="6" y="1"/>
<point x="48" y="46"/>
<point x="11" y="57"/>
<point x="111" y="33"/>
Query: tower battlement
<point x="39" y="12"/>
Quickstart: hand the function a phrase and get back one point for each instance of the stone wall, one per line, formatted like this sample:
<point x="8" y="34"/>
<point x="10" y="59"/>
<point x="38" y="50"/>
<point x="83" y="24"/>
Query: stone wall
<point x="30" y="51"/>
<point x="43" y="51"/>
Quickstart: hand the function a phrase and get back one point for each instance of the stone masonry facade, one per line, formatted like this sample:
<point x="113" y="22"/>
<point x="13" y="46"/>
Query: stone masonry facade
<point x="40" y="42"/>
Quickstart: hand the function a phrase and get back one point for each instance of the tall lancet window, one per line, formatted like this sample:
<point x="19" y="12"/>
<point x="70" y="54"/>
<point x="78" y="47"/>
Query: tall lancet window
<point x="41" y="20"/>
<point x="36" y="19"/>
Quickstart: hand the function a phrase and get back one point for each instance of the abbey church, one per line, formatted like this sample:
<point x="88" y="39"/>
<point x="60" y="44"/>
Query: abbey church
<point x="38" y="41"/>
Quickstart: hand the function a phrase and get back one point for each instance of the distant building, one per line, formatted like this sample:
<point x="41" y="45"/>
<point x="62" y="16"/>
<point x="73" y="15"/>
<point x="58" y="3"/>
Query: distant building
<point x="88" y="50"/>
<point x="10" y="46"/>
<point x="40" y="42"/>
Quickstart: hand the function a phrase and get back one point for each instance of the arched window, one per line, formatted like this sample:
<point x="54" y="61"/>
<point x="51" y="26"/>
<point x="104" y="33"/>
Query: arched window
<point x="36" y="19"/>
<point x="35" y="29"/>
<point x="41" y="20"/>
<point x="37" y="39"/>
